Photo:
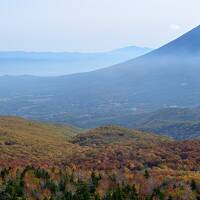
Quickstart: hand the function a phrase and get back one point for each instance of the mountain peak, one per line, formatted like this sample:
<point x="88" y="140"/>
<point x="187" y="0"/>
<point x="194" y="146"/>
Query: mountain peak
<point x="188" y="43"/>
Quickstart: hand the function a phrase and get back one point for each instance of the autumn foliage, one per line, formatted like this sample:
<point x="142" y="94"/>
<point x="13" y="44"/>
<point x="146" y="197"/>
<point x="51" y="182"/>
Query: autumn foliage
<point x="42" y="161"/>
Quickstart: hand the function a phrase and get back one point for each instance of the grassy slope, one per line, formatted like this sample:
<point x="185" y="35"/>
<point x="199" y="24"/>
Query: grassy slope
<point x="25" y="141"/>
<point x="116" y="152"/>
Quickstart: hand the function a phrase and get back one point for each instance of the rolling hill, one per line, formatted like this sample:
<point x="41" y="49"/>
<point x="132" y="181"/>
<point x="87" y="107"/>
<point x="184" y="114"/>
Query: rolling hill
<point x="115" y="134"/>
<point x="43" y="161"/>
<point x="113" y="147"/>
<point x="24" y="142"/>
<point x="179" y="123"/>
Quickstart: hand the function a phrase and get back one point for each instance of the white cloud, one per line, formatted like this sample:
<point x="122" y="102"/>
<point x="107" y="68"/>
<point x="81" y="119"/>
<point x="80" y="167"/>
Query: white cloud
<point x="174" y="27"/>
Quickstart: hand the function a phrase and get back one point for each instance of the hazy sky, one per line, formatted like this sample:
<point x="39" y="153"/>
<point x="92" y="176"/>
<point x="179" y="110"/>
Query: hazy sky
<point x="93" y="25"/>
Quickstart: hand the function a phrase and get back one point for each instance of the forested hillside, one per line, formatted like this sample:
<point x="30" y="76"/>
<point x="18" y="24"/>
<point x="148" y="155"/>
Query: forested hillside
<point x="44" y="161"/>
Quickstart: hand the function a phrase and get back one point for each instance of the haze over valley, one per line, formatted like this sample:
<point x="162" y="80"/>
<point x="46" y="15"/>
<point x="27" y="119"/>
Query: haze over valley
<point x="63" y="63"/>
<point x="166" y="77"/>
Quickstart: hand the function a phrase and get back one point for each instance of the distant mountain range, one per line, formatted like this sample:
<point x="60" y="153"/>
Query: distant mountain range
<point x="62" y="63"/>
<point x="164" y="78"/>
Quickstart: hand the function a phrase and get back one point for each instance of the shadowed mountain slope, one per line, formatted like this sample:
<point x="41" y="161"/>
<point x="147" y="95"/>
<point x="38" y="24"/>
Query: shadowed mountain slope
<point x="178" y="123"/>
<point x="168" y="76"/>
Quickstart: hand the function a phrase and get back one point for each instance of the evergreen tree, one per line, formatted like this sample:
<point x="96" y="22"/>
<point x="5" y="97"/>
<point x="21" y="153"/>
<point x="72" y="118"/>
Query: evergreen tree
<point x="146" y="174"/>
<point x="193" y="185"/>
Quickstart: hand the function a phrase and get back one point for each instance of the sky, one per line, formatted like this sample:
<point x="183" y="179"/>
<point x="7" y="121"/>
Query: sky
<point x="93" y="25"/>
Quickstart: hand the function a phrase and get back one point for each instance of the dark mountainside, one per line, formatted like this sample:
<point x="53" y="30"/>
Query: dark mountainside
<point x="168" y="76"/>
<point x="179" y="123"/>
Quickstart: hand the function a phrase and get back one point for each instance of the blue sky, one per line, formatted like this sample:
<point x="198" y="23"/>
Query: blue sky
<point x="93" y="25"/>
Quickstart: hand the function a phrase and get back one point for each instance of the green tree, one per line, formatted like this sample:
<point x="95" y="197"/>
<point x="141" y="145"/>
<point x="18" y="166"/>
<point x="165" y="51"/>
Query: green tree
<point x="146" y="174"/>
<point x="193" y="185"/>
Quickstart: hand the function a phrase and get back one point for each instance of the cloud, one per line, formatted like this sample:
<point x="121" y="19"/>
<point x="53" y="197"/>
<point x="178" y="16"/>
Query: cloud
<point x="174" y="27"/>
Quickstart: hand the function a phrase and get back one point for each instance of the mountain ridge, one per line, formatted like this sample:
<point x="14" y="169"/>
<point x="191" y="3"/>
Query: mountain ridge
<point x="61" y="63"/>
<point x="137" y="86"/>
